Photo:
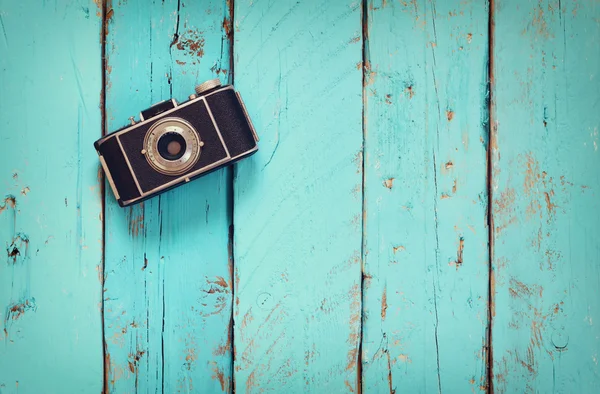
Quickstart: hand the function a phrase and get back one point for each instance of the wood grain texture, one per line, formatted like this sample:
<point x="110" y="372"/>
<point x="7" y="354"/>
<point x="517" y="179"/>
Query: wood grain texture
<point x="324" y="255"/>
<point x="50" y="198"/>
<point x="168" y="282"/>
<point x="297" y="211"/>
<point x="546" y="187"/>
<point x="426" y="236"/>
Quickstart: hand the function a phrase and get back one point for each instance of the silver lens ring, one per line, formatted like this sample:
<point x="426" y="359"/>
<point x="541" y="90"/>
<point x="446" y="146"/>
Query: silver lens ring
<point x="192" y="148"/>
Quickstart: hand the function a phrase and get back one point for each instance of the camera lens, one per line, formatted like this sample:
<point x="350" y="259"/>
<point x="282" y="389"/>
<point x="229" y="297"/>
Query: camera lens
<point x="171" y="146"/>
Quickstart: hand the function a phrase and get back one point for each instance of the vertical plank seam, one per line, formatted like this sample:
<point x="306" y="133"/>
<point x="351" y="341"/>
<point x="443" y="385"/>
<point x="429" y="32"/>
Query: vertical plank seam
<point x="435" y="281"/>
<point x="103" y="63"/>
<point x="365" y="67"/>
<point x="231" y="200"/>
<point x="161" y="270"/>
<point x="490" y="213"/>
<point x="173" y="42"/>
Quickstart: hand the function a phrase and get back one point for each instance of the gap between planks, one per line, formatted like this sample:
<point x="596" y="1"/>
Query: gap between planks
<point x="365" y="66"/>
<point x="490" y="171"/>
<point x="230" y="33"/>
<point x="101" y="178"/>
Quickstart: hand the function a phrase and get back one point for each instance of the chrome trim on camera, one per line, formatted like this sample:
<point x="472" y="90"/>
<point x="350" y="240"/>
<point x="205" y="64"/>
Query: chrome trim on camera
<point x="216" y="127"/>
<point x="239" y="97"/>
<point x="109" y="177"/>
<point x="245" y="153"/>
<point x="129" y="165"/>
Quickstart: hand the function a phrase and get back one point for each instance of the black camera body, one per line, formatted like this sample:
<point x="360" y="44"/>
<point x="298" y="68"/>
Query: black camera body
<point x="175" y="143"/>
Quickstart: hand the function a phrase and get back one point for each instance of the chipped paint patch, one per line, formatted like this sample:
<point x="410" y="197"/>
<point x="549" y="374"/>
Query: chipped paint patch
<point x="459" y="253"/>
<point x="134" y="359"/>
<point x="354" y="325"/>
<point x="384" y="304"/>
<point x="191" y="43"/>
<point x="18" y="249"/>
<point x="370" y="75"/>
<point x="398" y="248"/>
<point x="358" y="161"/>
<point x="404" y="358"/>
<point x="10" y="201"/>
<point x="220" y="376"/>
<point x="135" y="219"/>
<point x="16" y="310"/>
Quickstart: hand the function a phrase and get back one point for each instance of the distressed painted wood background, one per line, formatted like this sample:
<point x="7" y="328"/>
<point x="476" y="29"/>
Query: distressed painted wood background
<point x="423" y="215"/>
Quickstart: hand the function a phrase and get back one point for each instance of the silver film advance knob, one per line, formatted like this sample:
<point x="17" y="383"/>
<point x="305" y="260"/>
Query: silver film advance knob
<point x="211" y="84"/>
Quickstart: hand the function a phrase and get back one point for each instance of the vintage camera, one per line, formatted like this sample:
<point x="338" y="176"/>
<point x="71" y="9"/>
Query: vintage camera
<point x="175" y="143"/>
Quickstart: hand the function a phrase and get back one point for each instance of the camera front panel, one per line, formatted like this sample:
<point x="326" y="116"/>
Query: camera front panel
<point x="177" y="144"/>
<point x="211" y="152"/>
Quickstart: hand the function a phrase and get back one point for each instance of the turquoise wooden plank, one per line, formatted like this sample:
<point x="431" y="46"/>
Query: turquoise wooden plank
<point x="297" y="202"/>
<point x="546" y="261"/>
<point x="50" y="200"/>
<point x="168" y="298"/>
<point x="426" y="237"/>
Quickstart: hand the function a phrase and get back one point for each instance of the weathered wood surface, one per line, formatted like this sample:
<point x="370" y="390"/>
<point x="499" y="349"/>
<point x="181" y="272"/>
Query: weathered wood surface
<point x="426" y="254"/>
<point x="50" y="198"/>
<point x="305" y="268"/>
<point x="167" y="296"/>
<point x="546" y="184"/>
<point x="297" y="202"/>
